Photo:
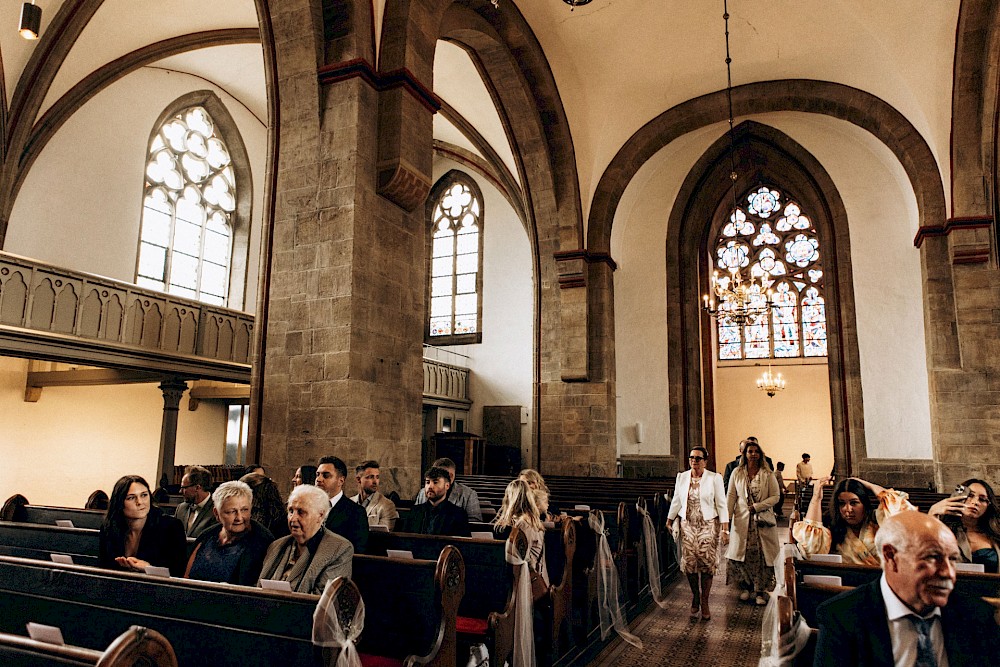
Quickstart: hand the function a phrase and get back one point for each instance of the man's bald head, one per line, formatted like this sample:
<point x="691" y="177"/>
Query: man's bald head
<point x="918" y="557"/>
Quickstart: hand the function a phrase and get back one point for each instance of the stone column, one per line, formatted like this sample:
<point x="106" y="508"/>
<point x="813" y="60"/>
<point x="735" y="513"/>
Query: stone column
<point x="172" y="389"/>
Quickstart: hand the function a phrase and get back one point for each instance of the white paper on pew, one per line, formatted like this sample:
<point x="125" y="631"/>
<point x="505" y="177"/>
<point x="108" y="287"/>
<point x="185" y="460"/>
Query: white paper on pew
<point x="826" y="579"/>
<point x="582" y="507"/>
<point x="65" y="559"/>
<point x="157" y="571"/>
<point x="969" y="567"/>
<point x="49" y="634"/>
<point x="378" y="529"/>
<point x="276" y="585"/>
<point x="399" y="553"/>
<point x="484" y="535"/>
<point x="64" y="523"/>
<point x="548" y="524"/>
<point x="827" y="558"/>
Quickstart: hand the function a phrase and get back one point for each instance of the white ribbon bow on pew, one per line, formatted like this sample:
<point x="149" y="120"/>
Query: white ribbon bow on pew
<point x="609" y="609"/>
<point x="524" y="633"/>
<point x="328" y="632"/>
<point x="651" y="553"/>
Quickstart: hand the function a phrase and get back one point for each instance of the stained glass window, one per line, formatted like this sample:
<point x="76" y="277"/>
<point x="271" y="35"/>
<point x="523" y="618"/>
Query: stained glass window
<point x="456" y="261"/>
<point x="185" y="245"/>
<point x="772" y="235"/>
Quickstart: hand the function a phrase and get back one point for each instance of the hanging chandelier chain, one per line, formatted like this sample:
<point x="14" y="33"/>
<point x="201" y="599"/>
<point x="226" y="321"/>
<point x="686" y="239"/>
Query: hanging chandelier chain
<point x="729" y="96"/>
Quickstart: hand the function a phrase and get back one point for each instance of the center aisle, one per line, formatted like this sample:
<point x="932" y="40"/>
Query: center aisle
<point x="670" y="637"/>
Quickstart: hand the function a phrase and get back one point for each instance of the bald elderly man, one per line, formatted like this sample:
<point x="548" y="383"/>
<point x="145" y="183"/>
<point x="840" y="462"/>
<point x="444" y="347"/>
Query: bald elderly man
<point x="911" y="615"/>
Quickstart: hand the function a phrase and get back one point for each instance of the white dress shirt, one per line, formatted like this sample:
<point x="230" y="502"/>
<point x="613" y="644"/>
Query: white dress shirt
<point x="904" y="634"/>
<point x="333" y="501"/>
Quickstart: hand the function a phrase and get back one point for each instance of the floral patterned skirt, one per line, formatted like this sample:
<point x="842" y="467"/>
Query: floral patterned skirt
<point x="699" y="546"/>
<point x="753" y="573"/>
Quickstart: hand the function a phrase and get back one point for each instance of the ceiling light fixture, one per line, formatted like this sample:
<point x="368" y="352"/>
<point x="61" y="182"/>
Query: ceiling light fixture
<point x="576" y="3"/>
<point x="770" y="383"/>
<point x="740" y="301"/>
<point x="31" y="20"/>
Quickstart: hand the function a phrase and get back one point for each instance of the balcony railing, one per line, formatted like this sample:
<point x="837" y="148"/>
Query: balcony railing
<point x="445" y="384"/>
<point x="55" y="313"/>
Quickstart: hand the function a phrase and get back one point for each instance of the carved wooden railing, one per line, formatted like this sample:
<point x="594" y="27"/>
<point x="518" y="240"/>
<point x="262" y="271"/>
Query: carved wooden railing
<point x="55" y="313"/>
<point x="445" y="384"/>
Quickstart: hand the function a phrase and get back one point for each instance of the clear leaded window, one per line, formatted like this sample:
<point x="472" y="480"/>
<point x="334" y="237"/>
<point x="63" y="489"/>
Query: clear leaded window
<point x="185" y="244"/>
<point x="456" y="262"/>
<point x="774" y="236"/>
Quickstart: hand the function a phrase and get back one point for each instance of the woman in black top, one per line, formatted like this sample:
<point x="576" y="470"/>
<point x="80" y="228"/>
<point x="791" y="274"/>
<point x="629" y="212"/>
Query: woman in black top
<point x="137" y="534"/>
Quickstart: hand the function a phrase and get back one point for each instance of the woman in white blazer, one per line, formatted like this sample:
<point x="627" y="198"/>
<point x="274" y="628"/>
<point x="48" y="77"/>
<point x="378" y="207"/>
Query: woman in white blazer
<point x="700" y="501"/>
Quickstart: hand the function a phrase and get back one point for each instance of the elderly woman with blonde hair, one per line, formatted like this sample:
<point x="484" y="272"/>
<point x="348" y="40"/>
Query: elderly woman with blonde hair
<point x="231" y="551"/>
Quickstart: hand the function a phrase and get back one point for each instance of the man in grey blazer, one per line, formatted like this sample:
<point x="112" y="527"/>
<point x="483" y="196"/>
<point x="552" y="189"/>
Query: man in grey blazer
<point x="381" y="511"/>
<point x="311" y="555"/>
<point x="195" y="513"/>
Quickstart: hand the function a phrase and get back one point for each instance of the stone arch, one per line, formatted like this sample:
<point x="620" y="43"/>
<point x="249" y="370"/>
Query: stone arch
<point x="763" y="153"/>
<point x="823" y="97"/>
<point x="974" y="130"/>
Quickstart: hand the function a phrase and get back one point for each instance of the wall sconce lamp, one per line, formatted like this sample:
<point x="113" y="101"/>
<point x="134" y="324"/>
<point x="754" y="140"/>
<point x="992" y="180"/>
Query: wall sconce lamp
<point x="31" y="20"/>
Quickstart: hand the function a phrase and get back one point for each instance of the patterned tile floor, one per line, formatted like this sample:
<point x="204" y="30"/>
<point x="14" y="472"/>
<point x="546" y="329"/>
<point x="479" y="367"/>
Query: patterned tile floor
<point x="670" y="637"/>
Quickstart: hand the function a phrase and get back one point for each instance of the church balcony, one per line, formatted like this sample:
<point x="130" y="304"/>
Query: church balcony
<point x="445" y="384"/>
<point x="49" y="312"/>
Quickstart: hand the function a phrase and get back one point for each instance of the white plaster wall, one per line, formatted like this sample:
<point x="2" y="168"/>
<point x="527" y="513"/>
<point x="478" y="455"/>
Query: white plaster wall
<point x="794" y="421"/>
<point x="882" y="213"/>
<point x="80" y="205"/>
<point x="77" y="439"/>
<point x="501" y="366"/>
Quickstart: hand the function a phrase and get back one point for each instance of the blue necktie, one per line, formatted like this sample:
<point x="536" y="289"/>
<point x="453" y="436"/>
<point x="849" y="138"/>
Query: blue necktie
<point x="926" y="656"/>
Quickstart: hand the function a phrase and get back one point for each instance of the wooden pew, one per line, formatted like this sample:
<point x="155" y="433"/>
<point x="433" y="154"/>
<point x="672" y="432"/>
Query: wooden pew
<point x="411" y="610"/>
<point x="490" y="581"/>
<point x="136" y="647"/>
<point x="979" y="584"/>
<point x="32" y="540"/>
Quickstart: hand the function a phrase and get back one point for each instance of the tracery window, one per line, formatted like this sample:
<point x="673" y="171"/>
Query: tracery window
<point x="773" y="236"/>
<point x="456" y="261"/>
<point x="186" y="238"/>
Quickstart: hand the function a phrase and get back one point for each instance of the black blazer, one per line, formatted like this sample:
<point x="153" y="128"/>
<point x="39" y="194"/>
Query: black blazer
<point x="445" y="519"/>
<point x="162" y="543"/>
<point x="854" y="630"/>
<point x="349" y="520"/>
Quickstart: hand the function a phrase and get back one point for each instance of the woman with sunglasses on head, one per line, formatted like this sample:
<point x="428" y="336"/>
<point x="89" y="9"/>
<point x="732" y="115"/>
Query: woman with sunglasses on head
<point x="975" y="520"/>
<point x="700" y="502"/>
<point x="753" y="492"/>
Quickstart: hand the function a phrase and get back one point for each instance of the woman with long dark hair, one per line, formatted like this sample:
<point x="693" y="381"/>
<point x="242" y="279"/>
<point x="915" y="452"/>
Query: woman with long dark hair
<point x="753" y="548"/>
<point x="136" y="533"/>
<point x="975" y="520"/>
<point x="268" y="507"/>
<point x="856" y="508"/>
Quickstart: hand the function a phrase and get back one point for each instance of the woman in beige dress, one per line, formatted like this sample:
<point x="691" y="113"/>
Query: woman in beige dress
<point x="700" y="502"/>
<point x="753" y="493"/>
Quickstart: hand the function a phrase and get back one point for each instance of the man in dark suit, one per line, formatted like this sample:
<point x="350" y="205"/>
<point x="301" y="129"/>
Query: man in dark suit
<point x="346" y="517"/>
<point x="196" y="511"/>
<point x="909" y="616"/>
<point x="437" y="516"/>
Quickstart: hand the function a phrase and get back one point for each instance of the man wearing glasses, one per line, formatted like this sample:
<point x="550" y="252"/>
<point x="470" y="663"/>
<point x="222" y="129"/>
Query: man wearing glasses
<point x="196" y="511"/>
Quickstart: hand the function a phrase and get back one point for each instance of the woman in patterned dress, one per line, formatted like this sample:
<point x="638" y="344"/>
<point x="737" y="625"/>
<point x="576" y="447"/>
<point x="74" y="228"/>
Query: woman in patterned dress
<point x="753" y="493"/>
<point x="700" y="501"/>
<point x="857" y="507"/>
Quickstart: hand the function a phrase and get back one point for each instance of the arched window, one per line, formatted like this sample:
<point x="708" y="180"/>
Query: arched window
<point x="456" y="261"/>
<point x="189" y="203"/>
<point x="773" y="235"/>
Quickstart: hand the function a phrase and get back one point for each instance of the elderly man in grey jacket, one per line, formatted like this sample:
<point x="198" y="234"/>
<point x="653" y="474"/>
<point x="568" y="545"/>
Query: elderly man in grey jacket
<point x="460" y="494"/>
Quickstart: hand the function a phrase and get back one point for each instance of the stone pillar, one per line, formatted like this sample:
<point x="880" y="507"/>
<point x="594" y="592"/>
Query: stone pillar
<point x="577" y="434"/>
<point x="172" y="390"/>
<point x="343" y="372"/>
